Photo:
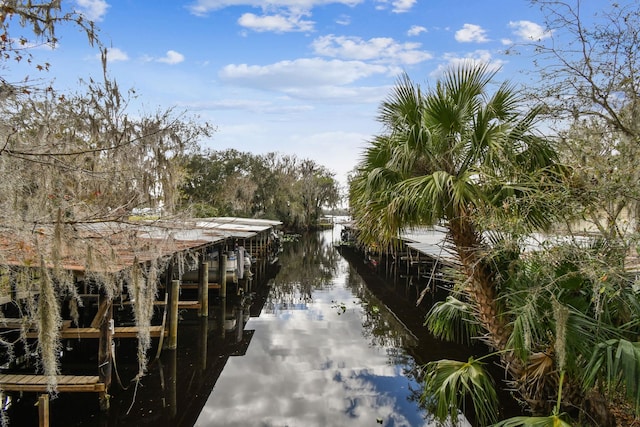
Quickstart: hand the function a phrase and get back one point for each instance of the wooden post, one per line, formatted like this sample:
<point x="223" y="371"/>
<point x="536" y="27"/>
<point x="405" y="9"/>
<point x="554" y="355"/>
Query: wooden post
<point x="43" y="410"/>
<point x="204" y="338"/>
<point x="223" y="276"/>
<point x="172" y="342"/>
<point x="203" y="289"/>
<point x="223" y="316"/>
<point x="173" y="382"/>
<point x="105" y="362"/>
<point x="239" y="323"/>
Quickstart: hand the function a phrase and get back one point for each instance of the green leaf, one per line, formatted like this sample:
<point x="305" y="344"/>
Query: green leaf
<point x="448" y="384"/>
<point x="550" y="421"/>
<point x="452" y="320"/>
<point x="616" y="361"/>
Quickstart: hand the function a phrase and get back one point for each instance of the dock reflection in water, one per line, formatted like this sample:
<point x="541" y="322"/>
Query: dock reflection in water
<point x="325" y="352"/>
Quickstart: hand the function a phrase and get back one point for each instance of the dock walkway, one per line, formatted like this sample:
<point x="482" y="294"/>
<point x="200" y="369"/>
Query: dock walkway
<point x="38" y="383"/>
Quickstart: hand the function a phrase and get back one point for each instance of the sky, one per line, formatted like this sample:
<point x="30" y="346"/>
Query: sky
<point x="302" y="77"/>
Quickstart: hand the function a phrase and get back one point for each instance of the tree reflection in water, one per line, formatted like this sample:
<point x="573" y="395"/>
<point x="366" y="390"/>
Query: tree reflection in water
<point x="311" y="264"/>
<point x="326" y="350"/>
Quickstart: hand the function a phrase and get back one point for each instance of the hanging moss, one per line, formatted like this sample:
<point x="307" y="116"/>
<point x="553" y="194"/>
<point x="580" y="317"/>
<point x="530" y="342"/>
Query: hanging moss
<point x="48" y="325"/>
<point x="143" y="287"/>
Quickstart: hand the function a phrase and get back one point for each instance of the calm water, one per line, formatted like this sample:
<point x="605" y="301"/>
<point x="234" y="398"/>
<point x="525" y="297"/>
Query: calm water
<point x="313" y="345"/>
<point x="325" y="352"/>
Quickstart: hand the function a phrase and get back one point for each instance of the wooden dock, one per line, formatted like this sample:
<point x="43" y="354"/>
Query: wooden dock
<point x="196" y="286"/>
<point x="38" y="383"/>
<point x="94" y="333"/>
<point x="17" y="323"/>
<point x="201" y="238"/>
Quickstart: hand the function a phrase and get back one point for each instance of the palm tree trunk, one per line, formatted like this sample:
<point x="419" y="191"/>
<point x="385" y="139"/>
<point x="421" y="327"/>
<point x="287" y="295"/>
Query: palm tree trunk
<point x="481" y="286"/>
<point x="481" y="291"/>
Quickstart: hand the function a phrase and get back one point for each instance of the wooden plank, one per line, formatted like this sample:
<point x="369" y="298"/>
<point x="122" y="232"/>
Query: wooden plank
<point x="158" y="303"/>
<point x="105" y="303"/>
<point x="16" y="323"/>
<point x="195" y="286"/>
<point x="189" y="304"/>
<point x="38" y="383"/>
<point x="94" y="333"/>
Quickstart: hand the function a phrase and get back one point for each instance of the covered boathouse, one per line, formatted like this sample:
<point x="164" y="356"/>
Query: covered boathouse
<point x="185" y="254"/>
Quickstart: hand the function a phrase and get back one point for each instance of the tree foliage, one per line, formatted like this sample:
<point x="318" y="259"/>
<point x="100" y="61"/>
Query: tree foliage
<point x="25" y="24"/>
<point x="590" y="84"/>
<point x="472" y="161"/>
<point x="282" y="187"/>
<point x="71" y="163"/>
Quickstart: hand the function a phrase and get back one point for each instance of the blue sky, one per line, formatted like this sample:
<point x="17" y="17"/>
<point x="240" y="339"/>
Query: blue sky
<point x="301" y="77"/>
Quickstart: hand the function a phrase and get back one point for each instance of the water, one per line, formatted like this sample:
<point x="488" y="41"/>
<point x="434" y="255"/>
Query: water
<point x="325" y="352"/>
<point x="314" y="346"/>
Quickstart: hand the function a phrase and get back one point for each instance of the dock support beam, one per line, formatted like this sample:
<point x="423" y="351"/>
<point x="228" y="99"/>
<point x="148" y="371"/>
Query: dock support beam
<point x="203" y="293"/>
<point x="105" y="362"/>
<point x="204" y="337"/>
<point x="172" y="342"/>
<point x="172" y="361"/>
<point x="223" y="276"/>
<point x="43" y="410"/>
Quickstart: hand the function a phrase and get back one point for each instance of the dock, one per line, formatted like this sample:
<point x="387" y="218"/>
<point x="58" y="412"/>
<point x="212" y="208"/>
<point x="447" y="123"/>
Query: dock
<point x="211" y="245"/>
<point x="38" y="383"/>
<point x="155" y="331"/>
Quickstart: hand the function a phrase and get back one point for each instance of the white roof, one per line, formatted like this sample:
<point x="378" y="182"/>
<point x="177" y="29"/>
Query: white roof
<point x="429" y="241"/>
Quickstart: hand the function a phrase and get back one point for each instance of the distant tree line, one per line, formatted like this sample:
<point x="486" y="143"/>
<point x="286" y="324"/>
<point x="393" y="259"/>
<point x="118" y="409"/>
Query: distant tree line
<point x="274" y="186"/>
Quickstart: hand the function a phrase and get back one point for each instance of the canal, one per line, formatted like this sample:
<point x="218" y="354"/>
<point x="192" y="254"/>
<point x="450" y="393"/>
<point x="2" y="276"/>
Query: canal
<point x="317" y="340"/>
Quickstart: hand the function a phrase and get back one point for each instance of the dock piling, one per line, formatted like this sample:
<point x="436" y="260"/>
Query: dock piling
<point x="43" y="410"/>
<point x="105" y="362"/>
<point x="223" y="276"/>
<point x="172" y="342"/>
<point x="204" y="289"/>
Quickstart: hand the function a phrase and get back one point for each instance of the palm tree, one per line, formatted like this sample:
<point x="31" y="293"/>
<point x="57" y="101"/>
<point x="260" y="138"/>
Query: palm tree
<point x="446" y="156"/>
<point x="562" y="321"/>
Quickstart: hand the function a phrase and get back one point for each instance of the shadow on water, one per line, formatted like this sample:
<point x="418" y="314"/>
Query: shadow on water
<point x="318" y="339"/>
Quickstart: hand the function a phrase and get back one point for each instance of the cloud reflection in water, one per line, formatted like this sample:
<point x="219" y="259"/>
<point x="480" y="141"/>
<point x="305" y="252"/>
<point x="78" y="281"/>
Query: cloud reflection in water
<point x="310" y="364"/>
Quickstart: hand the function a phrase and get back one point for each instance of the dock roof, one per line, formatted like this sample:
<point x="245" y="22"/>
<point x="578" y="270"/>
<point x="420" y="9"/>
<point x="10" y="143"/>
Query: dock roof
<point x="124" y="243"/>
<point x="430" y="241"/>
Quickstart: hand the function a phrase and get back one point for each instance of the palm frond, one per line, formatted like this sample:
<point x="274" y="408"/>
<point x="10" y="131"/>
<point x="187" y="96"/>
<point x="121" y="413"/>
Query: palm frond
<point x="452" y="320"/>
<point x="616" y="361"/>
<point x="528" y="324"/>
<point x="550" y="421"/>
<point x="449" y="383"/>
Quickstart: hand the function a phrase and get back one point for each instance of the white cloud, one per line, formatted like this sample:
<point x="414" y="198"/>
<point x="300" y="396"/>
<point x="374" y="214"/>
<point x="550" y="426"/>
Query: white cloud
<point x="114" y="55"/>
<point x="471" y="33"/>
<point x="397" y="6"/>
<point x="94" y="10"/>
<point x="529" y="31"/>
<point x="335" y="95"/>
<point x="343" y="20"/>
<point x="401" y="6"/>
<point x="476" y="57"/>
<point x="313" y="79"/>
<point x="339" y="150"/>
<point x="202" y="7"/>
<point x="251" y="105"/>
<point x="299" y="73"/>
<point x="172" y="57"/>
<point x="275" y="23"/>
<point x="506" y="42"/>
<point x="416" y="30"/>
<point x="379" y="49"/>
